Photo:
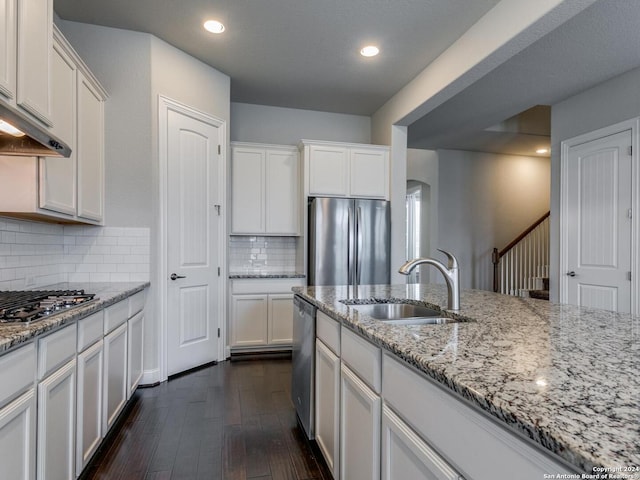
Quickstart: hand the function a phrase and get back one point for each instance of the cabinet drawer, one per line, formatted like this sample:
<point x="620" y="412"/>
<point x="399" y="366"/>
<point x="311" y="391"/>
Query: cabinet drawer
<point x="116" y="315"/>
<point x="453" y="427"/>
<point x="56" y="349"/>
<point x="136" y="303"/>
<point x="90" y="330"/>
<point x="362" y="357"/>
<point x="17" y="372"/>
<point x="328" y="330"/>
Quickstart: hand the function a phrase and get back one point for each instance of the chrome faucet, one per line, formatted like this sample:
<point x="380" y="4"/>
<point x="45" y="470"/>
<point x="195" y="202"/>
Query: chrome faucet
<point x="450" y="272"/>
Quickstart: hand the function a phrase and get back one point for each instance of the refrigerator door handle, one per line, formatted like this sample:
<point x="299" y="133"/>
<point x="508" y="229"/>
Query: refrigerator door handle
<point x="360" y="245"/>
<point x="349" y="248"/>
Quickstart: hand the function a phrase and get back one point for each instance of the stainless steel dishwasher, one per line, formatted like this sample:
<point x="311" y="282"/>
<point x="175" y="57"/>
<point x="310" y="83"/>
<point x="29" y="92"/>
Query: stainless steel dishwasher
<point x="303" y="362"/>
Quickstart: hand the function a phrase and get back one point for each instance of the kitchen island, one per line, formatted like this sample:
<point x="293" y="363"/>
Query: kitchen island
<point x="564" y="377"/>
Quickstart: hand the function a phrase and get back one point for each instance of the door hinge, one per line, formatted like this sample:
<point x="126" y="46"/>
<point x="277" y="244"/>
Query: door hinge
<point x="218" y="271"/>
<point x="629" y="276"/>
<point x="630" y="213"/>
<point x="219" y="149"/>
<point x="217" y="207"/>
<point x="630" y="150"/>
<point x="218" y="333"/>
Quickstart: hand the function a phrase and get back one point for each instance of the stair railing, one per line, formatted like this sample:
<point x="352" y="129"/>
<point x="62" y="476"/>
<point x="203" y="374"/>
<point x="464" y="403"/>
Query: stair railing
<point x="518" y="266"/>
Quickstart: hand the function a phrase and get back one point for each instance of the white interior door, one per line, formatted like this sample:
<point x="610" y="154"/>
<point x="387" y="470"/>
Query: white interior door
<point x="193" y="226"/>
<point x="597" y="223"/>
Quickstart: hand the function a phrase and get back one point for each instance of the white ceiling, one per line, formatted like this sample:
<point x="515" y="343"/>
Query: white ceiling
<point x="299" y="53"/>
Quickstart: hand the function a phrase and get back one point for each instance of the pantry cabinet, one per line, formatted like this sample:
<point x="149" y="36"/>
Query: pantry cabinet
<point x="265" y="189"/>
<point x="262" y="314"/>
<point x="345" y="170"/>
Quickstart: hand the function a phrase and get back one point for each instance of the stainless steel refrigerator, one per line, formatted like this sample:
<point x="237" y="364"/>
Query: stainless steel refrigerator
<point x="349" y="241"/>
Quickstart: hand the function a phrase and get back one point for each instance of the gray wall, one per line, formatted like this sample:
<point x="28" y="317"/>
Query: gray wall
<point x="287" y="126"/>
<point x="121" y="60"/>
<point x="485" y="200"/>
<point x="422" y="166"/>
<point x="135" y="68"/>
<point x="606" y="104"/>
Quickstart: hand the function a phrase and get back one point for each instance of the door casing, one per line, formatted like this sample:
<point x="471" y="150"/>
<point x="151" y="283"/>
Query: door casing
<point x="565" y="146"/>
<point x="166" y="104"/>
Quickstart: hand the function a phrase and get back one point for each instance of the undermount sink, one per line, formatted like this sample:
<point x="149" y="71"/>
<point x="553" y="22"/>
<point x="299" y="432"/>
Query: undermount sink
<point x="403" y="313"/>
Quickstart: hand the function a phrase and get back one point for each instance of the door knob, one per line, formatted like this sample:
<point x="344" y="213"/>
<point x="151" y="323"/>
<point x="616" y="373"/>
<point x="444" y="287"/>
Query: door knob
<point x="571" y="273"/>
<point x="175" y="277"/>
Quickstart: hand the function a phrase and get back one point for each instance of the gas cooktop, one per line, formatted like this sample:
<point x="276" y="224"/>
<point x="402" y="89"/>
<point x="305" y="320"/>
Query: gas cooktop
<point x="31" y="305"/>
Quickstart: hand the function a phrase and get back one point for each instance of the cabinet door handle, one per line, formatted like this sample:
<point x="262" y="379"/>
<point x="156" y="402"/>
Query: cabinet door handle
<point x="175" y="277"/>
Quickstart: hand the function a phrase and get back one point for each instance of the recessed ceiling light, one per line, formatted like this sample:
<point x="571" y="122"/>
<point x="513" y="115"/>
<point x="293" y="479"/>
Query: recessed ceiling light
<point x="370" y="51"/>
<point x="214" y="26"/>
<point x="542" y="150"/>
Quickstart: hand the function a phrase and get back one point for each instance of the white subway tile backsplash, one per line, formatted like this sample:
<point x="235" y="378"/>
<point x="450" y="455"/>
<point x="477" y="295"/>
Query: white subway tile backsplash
<point x="47" y="253"/>
<point x="262" y="254"/>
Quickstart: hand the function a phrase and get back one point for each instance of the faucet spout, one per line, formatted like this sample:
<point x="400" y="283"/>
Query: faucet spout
<point x="450" y="272"/>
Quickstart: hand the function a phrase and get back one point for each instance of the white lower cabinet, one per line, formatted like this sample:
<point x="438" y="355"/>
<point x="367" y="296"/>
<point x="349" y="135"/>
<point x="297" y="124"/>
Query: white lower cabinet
<point x="359" y="430"/>
<point x="115" y="375"/>
<point x="250" y="317"/>
<point x="18" y="438"/>
<point x="406" y="455"/>
<point x="261" y="314"/>
<point x="56" y="424"/>
<point x="89" y="431"/>
<point x="280" y="319"/>
<point x="327" y="425"/>
<point x="135" y="353"/>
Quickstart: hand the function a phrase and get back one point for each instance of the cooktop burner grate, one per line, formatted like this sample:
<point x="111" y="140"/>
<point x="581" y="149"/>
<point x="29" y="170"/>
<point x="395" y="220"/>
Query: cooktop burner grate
<point x="29" y="305"/>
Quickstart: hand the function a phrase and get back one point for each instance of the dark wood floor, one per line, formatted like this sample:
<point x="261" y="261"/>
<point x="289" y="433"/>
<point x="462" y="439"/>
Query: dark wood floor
<point x="234" y="420"/>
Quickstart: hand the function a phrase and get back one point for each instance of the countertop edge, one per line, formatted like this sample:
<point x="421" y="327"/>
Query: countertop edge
<point x="13" y="336"/>
<point x="542" y="439"/>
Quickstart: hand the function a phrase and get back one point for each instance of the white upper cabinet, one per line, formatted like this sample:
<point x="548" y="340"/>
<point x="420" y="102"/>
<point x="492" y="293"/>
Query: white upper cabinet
<point x="90" y="150"/>
<point x="35" y="24"/>
<point x="328" y="170"/>
<point x="58" y="175"/>
<point x="8" y="48"/>
<point x="265" y="190"/>
<point x="346" y="170"/>
<point x="63" y="189"/>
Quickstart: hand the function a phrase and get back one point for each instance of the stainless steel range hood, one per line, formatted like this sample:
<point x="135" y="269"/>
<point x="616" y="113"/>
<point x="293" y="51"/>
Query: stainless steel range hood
<point x="36" y="141"/>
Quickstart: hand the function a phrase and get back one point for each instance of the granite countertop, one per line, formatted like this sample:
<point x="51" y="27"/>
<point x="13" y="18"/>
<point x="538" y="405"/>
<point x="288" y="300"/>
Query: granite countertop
<point x="564" y="376"/>
<point x="12" y="334"/>
<point x="266" y="275"/>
